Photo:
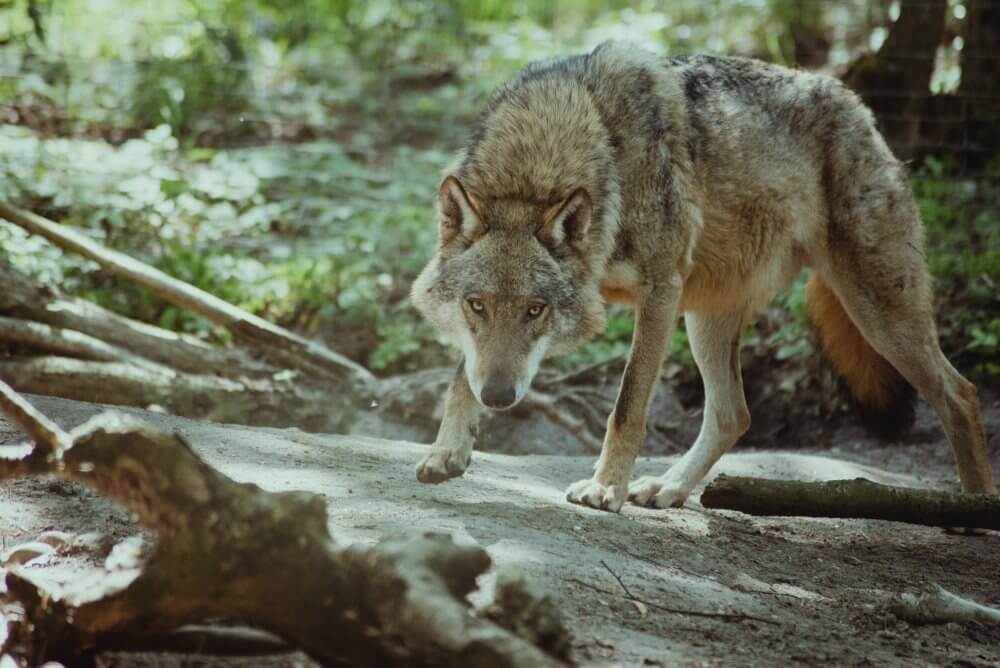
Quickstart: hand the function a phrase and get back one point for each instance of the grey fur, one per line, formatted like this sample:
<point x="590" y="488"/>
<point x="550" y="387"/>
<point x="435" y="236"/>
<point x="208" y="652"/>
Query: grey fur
<point x="709" y="183"/>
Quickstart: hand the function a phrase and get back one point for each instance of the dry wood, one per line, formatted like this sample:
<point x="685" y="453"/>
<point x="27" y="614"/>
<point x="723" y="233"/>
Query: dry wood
<point x="99" y="355"/>
<point x="940" y="606"/>
<point x="245" y="401"/>
<point x="23" y="299"/>
<point x="42" y="337"/>
<point x="231" y="550"/>
<point x="272" y="341"/>
<point x="859" y="498"/>
<point x="50" y="440"/>
<point x="213" y="640"/>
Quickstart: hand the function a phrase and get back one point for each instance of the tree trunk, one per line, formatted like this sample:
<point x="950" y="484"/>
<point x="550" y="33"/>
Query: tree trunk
<point x="979" y="91"/>
<point x="895" y="81"/>
<point x="981" y="53"/>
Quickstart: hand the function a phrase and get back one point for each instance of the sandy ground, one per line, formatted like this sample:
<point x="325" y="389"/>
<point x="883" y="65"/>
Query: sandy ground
<point x="632" y="586"/>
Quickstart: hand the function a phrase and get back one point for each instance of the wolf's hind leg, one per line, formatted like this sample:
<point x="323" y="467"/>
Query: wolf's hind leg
<point x="715" y="343"/>
<point x="451" y="451"/>
<point x="895" y="316"/>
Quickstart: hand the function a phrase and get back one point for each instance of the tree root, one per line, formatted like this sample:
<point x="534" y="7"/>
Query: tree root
<point x="231" y="550"/>
<point x="550" y="382"/>
<point x="578" y="427"/>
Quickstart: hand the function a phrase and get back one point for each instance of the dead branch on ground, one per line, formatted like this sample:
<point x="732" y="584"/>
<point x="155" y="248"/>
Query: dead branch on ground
<point x="940" y="606"/>
<point x="274" y="342"/>
<point x="859" y="498"/>
<point x="233" y="551"/>
<point x="22" y="299"/>
<point x="64" y="346"/>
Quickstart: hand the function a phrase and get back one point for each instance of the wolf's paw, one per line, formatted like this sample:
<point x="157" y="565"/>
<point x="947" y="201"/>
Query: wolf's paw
<point x="440" y="465"/>
<point x="657" y="492"/>
<point x="594" y="494"/>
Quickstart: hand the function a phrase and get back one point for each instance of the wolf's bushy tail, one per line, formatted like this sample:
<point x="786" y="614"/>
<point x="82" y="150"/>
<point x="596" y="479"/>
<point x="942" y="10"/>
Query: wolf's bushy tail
<point x="884" y="399"/>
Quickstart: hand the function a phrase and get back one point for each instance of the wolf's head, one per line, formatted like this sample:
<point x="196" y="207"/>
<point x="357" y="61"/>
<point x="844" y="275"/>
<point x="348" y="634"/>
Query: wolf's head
<point x="510" y="284"/>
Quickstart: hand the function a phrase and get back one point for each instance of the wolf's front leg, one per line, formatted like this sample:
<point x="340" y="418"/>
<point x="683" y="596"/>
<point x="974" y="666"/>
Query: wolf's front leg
<point x="655" y="316"/>
<point x="715" y="344"/>
<point x="452" y="449"/>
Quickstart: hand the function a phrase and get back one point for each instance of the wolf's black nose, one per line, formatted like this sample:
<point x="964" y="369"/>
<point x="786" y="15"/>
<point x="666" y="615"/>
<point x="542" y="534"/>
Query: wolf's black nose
<point x="498" y="395"/>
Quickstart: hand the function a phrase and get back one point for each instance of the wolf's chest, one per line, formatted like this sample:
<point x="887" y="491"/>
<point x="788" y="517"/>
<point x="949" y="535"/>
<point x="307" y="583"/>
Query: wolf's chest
<point x="620" y="284"/>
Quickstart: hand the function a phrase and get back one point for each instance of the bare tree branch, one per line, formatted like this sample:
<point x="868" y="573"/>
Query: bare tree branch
<point x="271" y="340"/>
<point x="49" y="439"/>
<point x="246" y="401"/>
<point x="40" y="336"/>
<point x="940" y="606"/>
<point x="24" y="299"/>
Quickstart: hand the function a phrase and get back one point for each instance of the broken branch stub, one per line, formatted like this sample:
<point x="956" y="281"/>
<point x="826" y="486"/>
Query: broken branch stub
<point x="232" y="550"/>
<point x="937" y="605"/>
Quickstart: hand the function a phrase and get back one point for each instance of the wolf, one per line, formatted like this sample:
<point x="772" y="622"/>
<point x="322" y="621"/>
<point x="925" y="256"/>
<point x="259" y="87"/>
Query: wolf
<point x="700" y="185"/>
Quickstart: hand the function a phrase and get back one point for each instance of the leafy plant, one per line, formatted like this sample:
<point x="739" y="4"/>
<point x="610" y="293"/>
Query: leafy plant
<point x="279" y="154"/>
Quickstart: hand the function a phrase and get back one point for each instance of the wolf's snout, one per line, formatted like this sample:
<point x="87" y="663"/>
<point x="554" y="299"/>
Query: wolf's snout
<point x="498" y="395"/>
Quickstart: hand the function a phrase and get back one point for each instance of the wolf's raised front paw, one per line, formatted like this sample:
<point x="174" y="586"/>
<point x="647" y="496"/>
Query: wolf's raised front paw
<point x="440" y="465"/>
<point x="657" y="492"/>
<point x="594" y="494"/>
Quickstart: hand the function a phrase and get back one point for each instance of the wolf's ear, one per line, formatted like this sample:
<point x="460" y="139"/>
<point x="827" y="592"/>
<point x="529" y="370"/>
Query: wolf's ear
<point x="568" y="222"/>
<point x="456" y="214"/>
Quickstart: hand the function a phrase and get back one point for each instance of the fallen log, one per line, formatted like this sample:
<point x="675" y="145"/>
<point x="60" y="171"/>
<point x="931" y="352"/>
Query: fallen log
<point x="243" y="401"/>
<point x="272" y="341"/>
<point x="67" y="347"/>
<point x="57" y="340"/>
<point x="233" y="551"/>
<point x="25" y="300"/>
<point x="858" y="498"/>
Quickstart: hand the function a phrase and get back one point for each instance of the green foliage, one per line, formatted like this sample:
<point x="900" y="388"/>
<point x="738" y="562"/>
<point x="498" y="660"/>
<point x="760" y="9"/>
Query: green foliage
<point x="275" y="153"/>
<point x="962" y="220"/>
<point x="613" y="342"/>
<point x="306" y="235"/>
<point x="188" y="94"/>
<point x="792" y="338"/>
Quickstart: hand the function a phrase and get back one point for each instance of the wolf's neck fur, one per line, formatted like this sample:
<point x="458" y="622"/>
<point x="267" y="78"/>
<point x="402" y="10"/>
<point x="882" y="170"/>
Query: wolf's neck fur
<point x="540" y="138"/>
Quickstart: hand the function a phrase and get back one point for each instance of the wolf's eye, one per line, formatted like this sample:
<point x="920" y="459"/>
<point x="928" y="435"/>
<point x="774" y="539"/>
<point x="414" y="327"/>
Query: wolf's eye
<point x="535" y="310"/>
<point x="476" y="305"/>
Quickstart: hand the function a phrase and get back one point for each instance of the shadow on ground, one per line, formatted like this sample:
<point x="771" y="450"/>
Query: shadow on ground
<point x="664" y="587"/>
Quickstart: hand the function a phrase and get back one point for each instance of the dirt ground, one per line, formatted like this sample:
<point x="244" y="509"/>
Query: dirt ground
<point x="634" y="587"/>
